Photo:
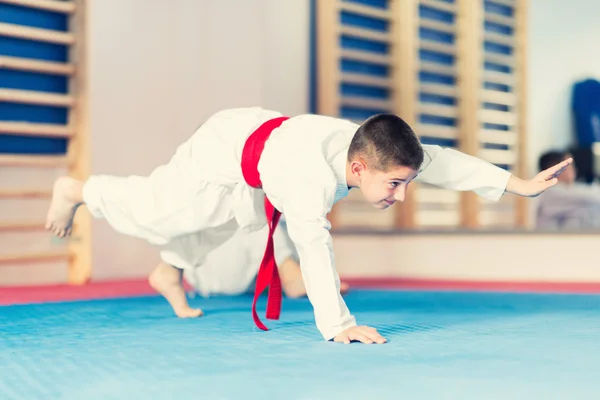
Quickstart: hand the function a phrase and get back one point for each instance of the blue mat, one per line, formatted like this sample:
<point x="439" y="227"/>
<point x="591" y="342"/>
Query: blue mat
<point x="441" y="346"/>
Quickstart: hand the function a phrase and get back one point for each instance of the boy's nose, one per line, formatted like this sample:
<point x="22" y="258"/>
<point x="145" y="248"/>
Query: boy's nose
<point x="400" y="194"/>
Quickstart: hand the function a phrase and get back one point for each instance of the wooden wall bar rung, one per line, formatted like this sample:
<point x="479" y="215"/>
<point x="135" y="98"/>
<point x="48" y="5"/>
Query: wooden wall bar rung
<point x="437" y="25"/>
<point x="365" y="10"/>
<point x="498" y="38"/>
<point x="25" y="194"/>
<point x="366" y="57"/>
<point x="43" y="35"/>
<point x="38" y="98"/>
<point x="505" y="98"/>
<point x="506" y="201"/>
<point x="437" y="47"/>
<point x="438" y="110"/>
<point x="499" y="77"/>
<point x="498" y="137"/>
<point x="366" y="80"/>
<point x="366" y="103"/>
<point x="439" y="89"/>
<point x="439" y="5"/>
<point x="438" y="218"/>
<point x="46" y="67"/>
<point x="499" y="19"/>
<point x="437" y="131"/>
<point x="449" y="70"/>
<point x="366" y="34"/>
<point x="29" y="129"/>
<point x="497" y="117"/>
<point x="18" y="160"/>
<point x="66" y="7"/>
<point x="508" y="3"/>
<point x="437" y="196"/>
<point x="26" y="258"/>
<point x="21" y="226"/>
<point x="499" y="59"/>
<point x="498" y="156"/>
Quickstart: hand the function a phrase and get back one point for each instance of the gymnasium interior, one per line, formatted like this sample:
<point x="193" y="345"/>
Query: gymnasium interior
<point x="475" y="298"/>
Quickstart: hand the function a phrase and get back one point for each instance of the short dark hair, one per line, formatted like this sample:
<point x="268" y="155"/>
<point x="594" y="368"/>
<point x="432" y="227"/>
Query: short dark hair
<point x="551" y="158"/>
<point x="386" y="141"/>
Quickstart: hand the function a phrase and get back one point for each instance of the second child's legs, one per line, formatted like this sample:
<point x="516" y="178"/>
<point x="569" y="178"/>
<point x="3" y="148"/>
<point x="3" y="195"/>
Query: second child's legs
<point x="292" y="283"/>
<point x="168" y="281"/>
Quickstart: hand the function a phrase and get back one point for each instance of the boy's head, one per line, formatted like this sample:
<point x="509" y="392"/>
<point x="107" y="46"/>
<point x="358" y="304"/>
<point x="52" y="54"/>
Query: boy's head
<point x="551" y="158"/>
<point x="384" y="157"/>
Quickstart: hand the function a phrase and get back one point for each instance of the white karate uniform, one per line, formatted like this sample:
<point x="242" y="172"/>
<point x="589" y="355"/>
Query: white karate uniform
<point x="231" y="268"/>
<point x="303" y="172"/>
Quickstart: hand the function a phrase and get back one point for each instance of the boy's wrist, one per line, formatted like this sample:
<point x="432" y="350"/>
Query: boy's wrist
<point x="514" y="185"/>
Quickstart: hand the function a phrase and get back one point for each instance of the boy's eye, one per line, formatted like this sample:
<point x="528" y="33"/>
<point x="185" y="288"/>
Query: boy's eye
<point x="394" y="184"/>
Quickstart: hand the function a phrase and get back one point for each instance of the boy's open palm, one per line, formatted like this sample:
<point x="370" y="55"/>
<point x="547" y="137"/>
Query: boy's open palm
<point x="363" y="334"/>
<point x="547" y="178"/>
<point x="540" y="183"/>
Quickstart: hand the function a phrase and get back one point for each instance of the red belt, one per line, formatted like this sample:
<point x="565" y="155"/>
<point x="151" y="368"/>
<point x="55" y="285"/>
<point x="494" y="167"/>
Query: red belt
<point x="268" y="275"/>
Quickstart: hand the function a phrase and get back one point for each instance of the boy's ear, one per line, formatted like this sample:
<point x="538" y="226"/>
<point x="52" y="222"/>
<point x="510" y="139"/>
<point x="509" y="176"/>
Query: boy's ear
<point x="358" y="166"/>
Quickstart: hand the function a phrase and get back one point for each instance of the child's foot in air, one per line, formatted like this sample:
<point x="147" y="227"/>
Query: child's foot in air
<point x="166" y="280"/>
<point x="66" y="197"/>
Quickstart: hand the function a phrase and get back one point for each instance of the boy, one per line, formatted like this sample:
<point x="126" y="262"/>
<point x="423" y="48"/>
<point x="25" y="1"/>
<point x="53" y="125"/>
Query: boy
<point x="232" y="267"/>
<point x="218" y="180"/>
<point x="570" y="205"/>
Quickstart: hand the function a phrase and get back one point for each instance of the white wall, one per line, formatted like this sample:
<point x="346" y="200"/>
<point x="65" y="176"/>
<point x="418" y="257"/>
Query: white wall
<point x="563" y="49"/>
<point x="473" y="257"/>
<point x="153" y="82"/>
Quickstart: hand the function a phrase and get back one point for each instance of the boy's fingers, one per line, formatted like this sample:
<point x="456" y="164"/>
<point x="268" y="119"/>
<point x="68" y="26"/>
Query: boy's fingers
<point x="551" y="182"/>
<point x="341" y="338"/>
<point x="552" y="172"/>
<point x="373" y="335"/>
<point x="363" y="334"/>
<point x="361" y="338"/>
<point x="377" y="338"/>
<point x="557" y="173"/>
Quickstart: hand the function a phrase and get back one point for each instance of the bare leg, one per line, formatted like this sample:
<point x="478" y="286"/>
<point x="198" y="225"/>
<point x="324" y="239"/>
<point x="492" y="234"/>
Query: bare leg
<point x="167" y="280"/>
<point x="292" y="282"/>
<point x="67" y="196"/>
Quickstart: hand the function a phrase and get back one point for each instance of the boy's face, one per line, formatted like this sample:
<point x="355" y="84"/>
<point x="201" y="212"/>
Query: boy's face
<point x="382" y="189"/>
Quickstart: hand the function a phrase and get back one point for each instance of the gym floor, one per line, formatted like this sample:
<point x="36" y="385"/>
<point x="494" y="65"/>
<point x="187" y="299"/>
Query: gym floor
<point x="450" y="344"/>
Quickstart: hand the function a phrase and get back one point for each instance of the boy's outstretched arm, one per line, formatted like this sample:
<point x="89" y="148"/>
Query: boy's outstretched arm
<point x="538" y="184"/>
<point x="451" y="169"/>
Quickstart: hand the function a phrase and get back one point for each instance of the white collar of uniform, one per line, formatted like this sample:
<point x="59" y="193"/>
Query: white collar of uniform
<point x="339" y="170"/>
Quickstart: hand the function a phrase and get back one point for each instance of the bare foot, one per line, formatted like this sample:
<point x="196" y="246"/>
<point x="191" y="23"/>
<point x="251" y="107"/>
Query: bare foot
<point x="66" y="197"/>
<point x="166" y="280"/>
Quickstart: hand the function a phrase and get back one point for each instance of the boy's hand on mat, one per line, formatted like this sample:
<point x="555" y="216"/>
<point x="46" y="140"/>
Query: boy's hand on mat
<point x="539" y="184"/>
<point x="363" y="334"/>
